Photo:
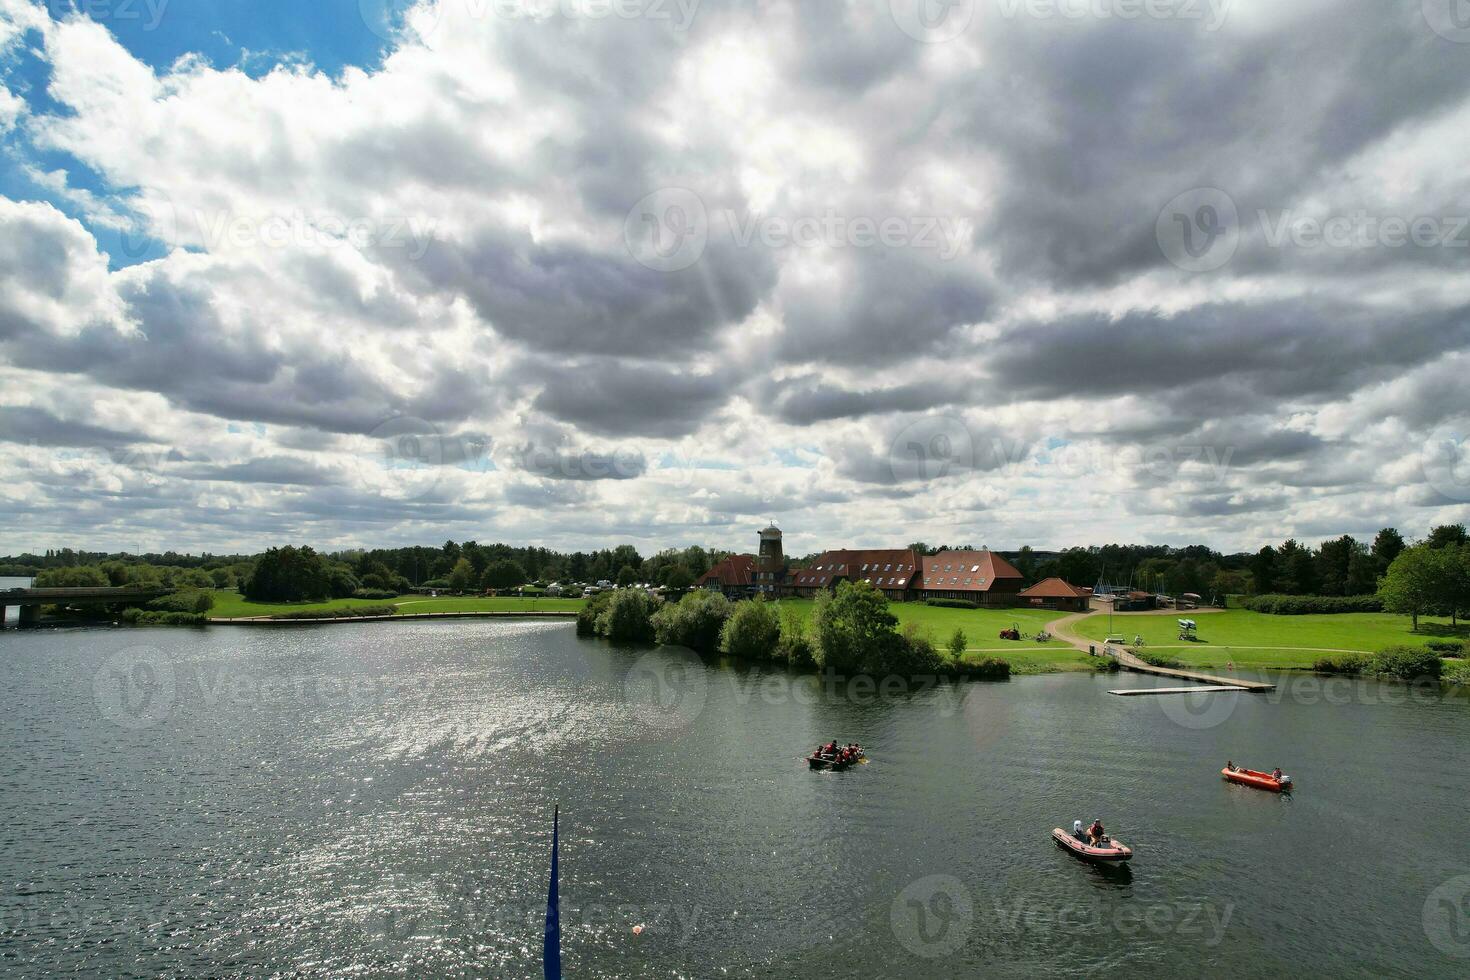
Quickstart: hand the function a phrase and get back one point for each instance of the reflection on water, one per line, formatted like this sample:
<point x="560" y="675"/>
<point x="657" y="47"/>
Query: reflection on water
<point x="377" y="800"/>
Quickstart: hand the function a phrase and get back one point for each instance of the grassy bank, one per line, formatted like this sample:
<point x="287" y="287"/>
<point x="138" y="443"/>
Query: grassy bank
<point x="1258" y="640"/>
<point x="982" y="628"/>
<point x="232" y="605"/>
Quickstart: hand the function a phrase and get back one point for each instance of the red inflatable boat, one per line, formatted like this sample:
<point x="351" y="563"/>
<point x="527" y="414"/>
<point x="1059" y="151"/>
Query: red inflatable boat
<point x="1260" y="780"/>
<point x="1111" y="851"/>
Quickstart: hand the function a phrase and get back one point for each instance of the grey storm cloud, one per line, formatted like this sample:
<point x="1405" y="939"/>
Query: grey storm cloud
<point x="802" y="401"/>
<point x="571" y="299"/>
<point x="32" y="425"/>
<point x="1260" y="353"/>
<point x="1104" y="126"/>
<point x="609" y="397"/>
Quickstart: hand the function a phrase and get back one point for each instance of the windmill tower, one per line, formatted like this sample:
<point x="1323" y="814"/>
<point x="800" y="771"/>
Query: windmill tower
<point x="770" y="562"/>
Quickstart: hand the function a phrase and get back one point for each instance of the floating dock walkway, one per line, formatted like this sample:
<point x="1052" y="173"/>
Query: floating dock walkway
<point x="1131" y="662"/>
<point x="1137" y="691"/>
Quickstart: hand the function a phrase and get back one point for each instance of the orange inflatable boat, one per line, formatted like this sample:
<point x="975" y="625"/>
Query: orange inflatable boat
<point x="1260" y="780"/>
<point x="1111" y="851"/>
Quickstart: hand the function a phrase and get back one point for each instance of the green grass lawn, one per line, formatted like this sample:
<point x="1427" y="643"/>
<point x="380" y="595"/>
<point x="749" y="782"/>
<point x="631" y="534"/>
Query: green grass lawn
<point x="1227" y="637"/>
<point x="232" y="605"/>
<point x="982" y="629"/>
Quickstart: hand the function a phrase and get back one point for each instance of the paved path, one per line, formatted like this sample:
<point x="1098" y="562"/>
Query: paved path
<point x="1062" y="630"/>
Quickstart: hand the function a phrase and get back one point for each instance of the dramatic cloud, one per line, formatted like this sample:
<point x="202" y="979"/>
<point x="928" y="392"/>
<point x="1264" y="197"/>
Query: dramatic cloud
<point x="1028" y="273"/>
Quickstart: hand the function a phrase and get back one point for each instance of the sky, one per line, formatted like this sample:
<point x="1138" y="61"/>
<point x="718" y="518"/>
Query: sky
<point x="573" y="273"/>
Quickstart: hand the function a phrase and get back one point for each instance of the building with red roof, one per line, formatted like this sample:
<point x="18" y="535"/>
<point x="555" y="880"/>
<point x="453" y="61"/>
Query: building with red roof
<point x="895" y="571"/>
<point x="1054" y="593"/>
<point x="735" y="576"/>
<point x="978" y="576"/>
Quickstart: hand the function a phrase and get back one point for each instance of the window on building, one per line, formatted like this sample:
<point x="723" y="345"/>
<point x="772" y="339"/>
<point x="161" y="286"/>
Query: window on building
<point x="888" y="567"/>
<point x="974" y="568"/>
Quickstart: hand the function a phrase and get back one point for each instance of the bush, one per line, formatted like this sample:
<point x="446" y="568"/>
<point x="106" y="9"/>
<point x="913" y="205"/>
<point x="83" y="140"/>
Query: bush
<point x="911" y="653"/>
<point x="153" y="617"/>
<point x="189" y="601"/>
<point x="958" y="644"/>
<point x="1343" y="663"/>
<point x="1310" y="605"/>
<point x="753" y="631"/>
<point x="952" y="603"/>
<point x="346" y="612"/>
<point x="694" y="621"/>
<point x="628" y="617"/>
<point x="795" y="644"/>
<point x="1447" y="648"/>
<point x="1408" y="663"/>
<point x="373" y="594"/>
<point x="1457" y="673"/>
<point x="587" y="616"/>
<point x="73" y="577"/>
<point x="1157" y="659"/>
<point x="986" y="669"/>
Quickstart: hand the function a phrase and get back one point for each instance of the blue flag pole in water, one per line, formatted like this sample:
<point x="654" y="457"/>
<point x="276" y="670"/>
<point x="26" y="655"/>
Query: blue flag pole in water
<point x="551" y="956"/>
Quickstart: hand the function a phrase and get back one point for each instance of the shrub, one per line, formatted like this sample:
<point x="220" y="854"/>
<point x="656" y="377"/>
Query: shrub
<point x="374" y="594"/>
<point x="1408" y="663"/>
<point x="952" y="603"/>
<point x="694" y="621"/>
<point x="852" y="628"/>
<point x="1458" y="673"/>
<point x="914" y="652"/>
<point x="795" y="644"/>
<point x="587" y="616"/>
<point x="958" y="643"/>
<point x="628" y="617"/>
<point x="154" y="617"/>
<point x="1157" y="659"/>
<point x="189" y="601"/>
<point x="753" y="631"/>
<point x="72" y="577"/>
<point x="1447" y="648"/>
<point x="1342" y="663"/>
<point x="346" y="612"/>
<point x="1310" y="605"/>
<point x="985" y="669"/>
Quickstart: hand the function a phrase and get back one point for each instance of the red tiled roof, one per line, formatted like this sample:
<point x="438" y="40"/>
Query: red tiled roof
<point x="887" y="568"/>
<point x="966" y="571"/>
<point x="1055" y="588"/>
<point x="735" y="571"/>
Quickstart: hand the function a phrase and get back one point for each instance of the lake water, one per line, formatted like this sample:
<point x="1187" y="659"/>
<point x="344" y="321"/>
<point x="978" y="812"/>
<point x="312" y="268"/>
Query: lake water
<point x="376" y="800"/>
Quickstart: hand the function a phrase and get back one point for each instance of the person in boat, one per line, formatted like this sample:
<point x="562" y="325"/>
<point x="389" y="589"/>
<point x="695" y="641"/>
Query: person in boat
<point x="1095" y="835"/>
<point x="1077" y="829"/>
<point x="1276" y="774"/>
<point x="1230" y="766"/>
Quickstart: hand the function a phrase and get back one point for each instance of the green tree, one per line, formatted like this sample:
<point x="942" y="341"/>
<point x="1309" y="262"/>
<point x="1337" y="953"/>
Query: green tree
<point x="289" y="575"/>
<point x="628" y="616"/>
<point x="753" y="631"/>
<point x="1334" y="561"/>
<point x="679" y="577"/>
<point x="1412" y="586"/>
<point x="852" y="626"/>
<point x="1362" y="574"/>
<point x="1387" y="545"/>
<point x="462" y="576"/>
<point x="1263" y="570"/>
<point x="75" y="577"/>
<point x="627" y="576"/>
<point x="958" y="644"/>
<point x="1446" y="535"/>
<point x="503" y="574"/>
<point x="694" y="621"/>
